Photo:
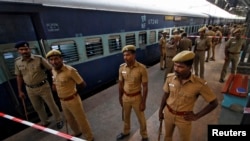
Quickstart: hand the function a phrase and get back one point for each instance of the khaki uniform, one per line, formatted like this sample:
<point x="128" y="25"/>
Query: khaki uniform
<point x="210" y="35"/>
<point x="201" y="46"/>
<point x="171" y="52"/>
<point x="184" y="44"/>
<point x="182" y="97"/>
<point x="37" y="86"/>
<point x="216" y="41"/>
<point x="65" y="81"/>
<point x="162" y="45"/>
<point x="133" y="79"/>
<point x="234" y="49"/>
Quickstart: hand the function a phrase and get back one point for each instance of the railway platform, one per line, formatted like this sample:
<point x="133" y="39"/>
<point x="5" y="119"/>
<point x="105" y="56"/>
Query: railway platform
<point x="105" y="114"/>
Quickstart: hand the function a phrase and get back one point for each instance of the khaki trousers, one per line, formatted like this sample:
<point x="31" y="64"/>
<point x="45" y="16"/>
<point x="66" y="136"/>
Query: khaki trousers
<point x="40" y="95"/>
<point x="75" y="115"/>
<point x="130" y="103"/>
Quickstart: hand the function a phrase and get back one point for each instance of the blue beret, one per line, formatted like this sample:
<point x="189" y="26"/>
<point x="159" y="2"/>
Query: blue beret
<point x="22" y="44"/>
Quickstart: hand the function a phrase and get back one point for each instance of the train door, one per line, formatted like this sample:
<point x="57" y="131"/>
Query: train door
<point x="13" y="28"/>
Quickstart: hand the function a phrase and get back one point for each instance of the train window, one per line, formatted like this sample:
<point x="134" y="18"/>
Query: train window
<point x="68" y="50"/>
<point x="160" y="34"/>
<point x="94" y="46"/>
<point x="142" y="38"/>
<point x="115" y="43"/>
<point x="152" y="37"/>
<point x="9" y="59"/>
<point x="130" y="39"/>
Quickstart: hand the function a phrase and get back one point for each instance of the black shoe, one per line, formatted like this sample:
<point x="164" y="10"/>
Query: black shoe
<point x="144" y="139"/>
<point x="121" y="136"/>
<point x="59" y="125"/>
<point x="221" y="81"/>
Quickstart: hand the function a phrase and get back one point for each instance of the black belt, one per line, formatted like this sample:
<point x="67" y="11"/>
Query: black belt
<point x="37" y="85"/>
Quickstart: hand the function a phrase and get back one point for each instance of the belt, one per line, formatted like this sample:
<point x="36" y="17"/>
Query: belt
<point x="182" y="113"/>
<point x="69" y="97"/>
<point x="132" y="94"/>
<point x="37" y="85"/>
<point x="234" y="52"/>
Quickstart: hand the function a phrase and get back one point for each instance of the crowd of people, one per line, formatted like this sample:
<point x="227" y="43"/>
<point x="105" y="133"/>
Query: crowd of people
<point x="179" y="55"/>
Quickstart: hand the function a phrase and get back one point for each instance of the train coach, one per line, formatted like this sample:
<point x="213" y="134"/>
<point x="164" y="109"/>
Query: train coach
<point x="90" y="35"/>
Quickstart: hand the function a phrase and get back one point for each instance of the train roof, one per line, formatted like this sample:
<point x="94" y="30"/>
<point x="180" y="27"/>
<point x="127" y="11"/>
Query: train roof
<point x="194" y="8"/>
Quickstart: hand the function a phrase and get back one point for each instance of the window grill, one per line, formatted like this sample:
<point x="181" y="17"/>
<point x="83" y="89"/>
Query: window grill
<point x="130" y="39"/>
<point x="68" y="50"/>
<point x="115" y="43"/>
<point x="142" y="38"/>
<point x="152" y="37"/>
<point x="94" y="47"/>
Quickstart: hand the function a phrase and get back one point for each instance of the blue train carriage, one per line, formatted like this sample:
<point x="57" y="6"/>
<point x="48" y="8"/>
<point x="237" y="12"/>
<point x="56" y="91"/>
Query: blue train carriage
<point x="89" y="39"/>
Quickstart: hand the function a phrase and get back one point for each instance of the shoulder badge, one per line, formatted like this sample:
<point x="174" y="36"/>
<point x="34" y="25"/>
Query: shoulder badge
<point x="122" y="64"/>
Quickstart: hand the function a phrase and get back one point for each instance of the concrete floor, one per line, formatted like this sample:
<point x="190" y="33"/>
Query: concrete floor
<point x="104" y="112"/>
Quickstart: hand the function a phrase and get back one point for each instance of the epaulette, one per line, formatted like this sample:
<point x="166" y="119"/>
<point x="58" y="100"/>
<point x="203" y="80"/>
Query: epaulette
<point x="39" y="56"/>
<point x="202" y="81"/>
<point x="122" y="64"/>
<point x="170" y="74"/>
<point x="18" y="58"/>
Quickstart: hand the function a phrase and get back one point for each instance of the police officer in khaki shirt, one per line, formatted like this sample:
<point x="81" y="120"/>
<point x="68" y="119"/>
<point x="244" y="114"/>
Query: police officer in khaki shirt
<point x="162" y="45"/>
<point x="181" y="90"/>
<point x="201" y="45"/>
<point x="30" y="70"/>
<point x="171" y="52"/>
<point x="67" y="82"/>
<point x="232" y="53"/>
<point x="210" y="36"/>
<point x="133" y="89"/>
<point x="185" y="43"/>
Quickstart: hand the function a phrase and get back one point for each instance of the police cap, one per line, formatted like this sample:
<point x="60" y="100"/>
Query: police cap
<point x="128" y="48"/>
<point x="165" y="32"/>
<point x="21" y="44"/>
<point x="184" y="56"/>
<point x="53" y="52"/>
<point x="236" y="30"/>
<point x="202" y="29"/>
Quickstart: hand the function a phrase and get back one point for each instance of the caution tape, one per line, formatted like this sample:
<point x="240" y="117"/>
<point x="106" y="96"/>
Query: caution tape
<point x="229" y="37"/>
<point x="39" y="127"/>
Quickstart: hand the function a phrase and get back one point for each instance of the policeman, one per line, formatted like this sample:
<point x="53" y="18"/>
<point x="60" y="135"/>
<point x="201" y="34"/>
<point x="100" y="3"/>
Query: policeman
<point x="201" y="45"/>
<point x="162" y="46"/>
<point x="185" y="43"/>
<point x="216" y="41"/>
<point x="171" y="52"/>
<point x="67" y="82"/>
<point x="30" y="71"/>
<point x="181" y="90"/>
<point x="233" y="48"/>
<point x="210" y="35"/>
<point x="133" y="89"/>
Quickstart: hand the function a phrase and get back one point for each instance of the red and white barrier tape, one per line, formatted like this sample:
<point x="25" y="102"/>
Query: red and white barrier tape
<point x="195" y="36"/>
<point x="39" y="127"/>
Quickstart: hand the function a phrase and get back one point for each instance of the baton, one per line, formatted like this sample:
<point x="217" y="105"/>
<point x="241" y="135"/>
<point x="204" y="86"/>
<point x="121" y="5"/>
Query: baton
<point x="24" y="107"/>
<point x="159" y="132"/>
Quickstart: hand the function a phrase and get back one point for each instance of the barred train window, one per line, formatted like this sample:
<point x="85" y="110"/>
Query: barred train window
<point x="130" y="39"/>
<point x="115" y="43"/>
<point x="9" y="59"/>
<point x="94" y="47"/>
<point x="68" y="50"/>
<point x="152" y="37"/>
<point x="160" y="34"/>
<point x="142" y="38"/>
